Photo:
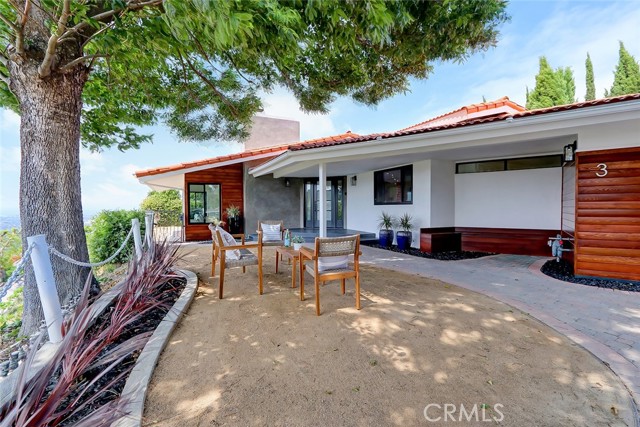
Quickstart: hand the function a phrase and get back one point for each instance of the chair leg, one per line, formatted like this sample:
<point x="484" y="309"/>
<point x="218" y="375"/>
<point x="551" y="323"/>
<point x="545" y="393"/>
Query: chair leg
<point x="260" y="277"/>
<point x="358" y="291"/>
<point x="221" y="282"/>
<point x="277" y="258"/>
<point x="244" y="269"/>
<point x="317" y="295"/>
<point x="343" y="286"/>
<point x="213" y="266"/>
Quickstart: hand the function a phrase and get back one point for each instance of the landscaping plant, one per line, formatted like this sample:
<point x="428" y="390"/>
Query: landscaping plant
<point x="386" y="222"/>
<point x="79" y="383"/>
<point x="108" y="230"/>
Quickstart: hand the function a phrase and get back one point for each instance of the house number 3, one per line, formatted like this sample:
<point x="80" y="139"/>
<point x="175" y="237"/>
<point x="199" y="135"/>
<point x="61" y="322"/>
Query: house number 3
<point x="603" y="170"/>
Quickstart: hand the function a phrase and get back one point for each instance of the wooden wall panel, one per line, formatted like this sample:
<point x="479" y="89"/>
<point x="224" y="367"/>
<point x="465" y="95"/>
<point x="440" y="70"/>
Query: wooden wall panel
<point x="507" y="240"/>
<point x="231" y="192"/>
<point x="608" y="214"/>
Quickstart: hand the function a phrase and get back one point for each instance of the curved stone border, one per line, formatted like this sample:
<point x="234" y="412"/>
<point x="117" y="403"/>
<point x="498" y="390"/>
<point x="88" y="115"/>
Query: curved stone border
<point x="135" y="389"/>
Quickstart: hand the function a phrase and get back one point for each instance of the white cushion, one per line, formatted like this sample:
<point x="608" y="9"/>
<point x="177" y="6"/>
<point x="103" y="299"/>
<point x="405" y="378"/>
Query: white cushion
<point x="333" y="262"/>
<point x="271" y="232"/>
<point x="228" y="240"/>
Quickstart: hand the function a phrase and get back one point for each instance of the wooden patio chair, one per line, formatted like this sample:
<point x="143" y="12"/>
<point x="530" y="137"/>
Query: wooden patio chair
<point x="229" y="254"/>
<point x="329" y="261"/>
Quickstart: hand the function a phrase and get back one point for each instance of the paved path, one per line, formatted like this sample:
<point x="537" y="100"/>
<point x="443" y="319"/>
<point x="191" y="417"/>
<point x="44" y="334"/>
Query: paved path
<point x="605" y="322"/>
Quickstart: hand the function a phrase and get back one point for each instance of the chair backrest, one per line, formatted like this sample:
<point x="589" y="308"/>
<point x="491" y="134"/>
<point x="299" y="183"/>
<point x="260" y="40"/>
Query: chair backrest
<point x="338" y="246"/>
<point x="271" y="222"/>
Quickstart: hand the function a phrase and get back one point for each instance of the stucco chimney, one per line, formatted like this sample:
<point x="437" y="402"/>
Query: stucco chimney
<point x="268" y="131"/>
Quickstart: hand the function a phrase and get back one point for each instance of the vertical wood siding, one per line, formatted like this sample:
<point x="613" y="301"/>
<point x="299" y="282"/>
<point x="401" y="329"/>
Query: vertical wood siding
<point x="231" y="192"/>
<point x="608" y="214"/>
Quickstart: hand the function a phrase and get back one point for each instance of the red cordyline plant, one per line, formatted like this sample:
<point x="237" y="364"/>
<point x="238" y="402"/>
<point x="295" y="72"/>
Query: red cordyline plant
<point x="69" y="389"/>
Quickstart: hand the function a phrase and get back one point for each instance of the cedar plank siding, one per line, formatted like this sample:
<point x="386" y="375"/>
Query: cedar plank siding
<point x="231" y="193"/>
<point x="608" y="214"/>
<point x="517" y="241"/>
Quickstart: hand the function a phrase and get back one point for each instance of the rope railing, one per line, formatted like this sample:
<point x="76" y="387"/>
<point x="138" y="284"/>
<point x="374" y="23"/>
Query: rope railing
<point x="70" y="260"/>
<point x="17" y="273"/>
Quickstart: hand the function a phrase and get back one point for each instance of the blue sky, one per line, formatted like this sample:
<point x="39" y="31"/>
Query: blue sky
<point x="563" y="31"/>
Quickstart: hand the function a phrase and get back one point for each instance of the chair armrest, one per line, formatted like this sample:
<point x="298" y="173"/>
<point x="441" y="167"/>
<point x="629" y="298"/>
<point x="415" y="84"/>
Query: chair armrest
<point x="243" y="246"/>
<point x="239" y="236"/>
<point x="307" y="253"/>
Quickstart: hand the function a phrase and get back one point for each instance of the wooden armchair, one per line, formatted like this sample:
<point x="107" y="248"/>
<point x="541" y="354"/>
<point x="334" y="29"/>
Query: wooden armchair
<point x="242" y="256"/>
<point x="329" y="261"/>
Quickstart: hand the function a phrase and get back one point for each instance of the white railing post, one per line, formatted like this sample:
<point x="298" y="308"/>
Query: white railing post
<point x="46" y="286"/>
<point x="148" y="233"/>
<point x="137" y="240"/>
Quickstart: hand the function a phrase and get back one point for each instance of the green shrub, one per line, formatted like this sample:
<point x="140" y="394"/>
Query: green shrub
<point x="10" y="249"/>
<point x="108" y="230"/>
<point x="166" y="204"/>
<point x="11" y="316"/>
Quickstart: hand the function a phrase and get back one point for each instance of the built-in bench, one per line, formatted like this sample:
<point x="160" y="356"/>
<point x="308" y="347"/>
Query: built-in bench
<point x="516" y="241"/>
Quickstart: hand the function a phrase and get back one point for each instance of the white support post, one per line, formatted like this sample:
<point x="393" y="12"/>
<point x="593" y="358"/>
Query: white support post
<point x="322" y="186"/>
<point x="148" y="233"/>
<point x="137" y="240"/>
<point x="46" y="286"/>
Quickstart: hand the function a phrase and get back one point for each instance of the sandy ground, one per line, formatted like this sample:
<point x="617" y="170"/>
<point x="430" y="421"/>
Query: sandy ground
<point x="417" y="343"/>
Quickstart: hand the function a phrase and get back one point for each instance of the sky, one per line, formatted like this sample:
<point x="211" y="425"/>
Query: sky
<point x="563" y="31"/>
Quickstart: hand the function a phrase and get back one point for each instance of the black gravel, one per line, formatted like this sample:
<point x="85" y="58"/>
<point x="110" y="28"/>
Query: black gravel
<point x="442" y="256"/>
<point x="563" y="270"/>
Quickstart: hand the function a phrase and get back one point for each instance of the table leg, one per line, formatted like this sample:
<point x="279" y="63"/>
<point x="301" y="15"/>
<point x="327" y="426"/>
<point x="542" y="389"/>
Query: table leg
<point x="277" y="256"/>
<point x="301" y="278"/>
<point x="293" y="273"/>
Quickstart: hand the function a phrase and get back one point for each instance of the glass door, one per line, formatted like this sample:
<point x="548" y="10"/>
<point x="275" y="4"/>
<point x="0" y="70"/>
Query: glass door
<point x="335" y="203"/>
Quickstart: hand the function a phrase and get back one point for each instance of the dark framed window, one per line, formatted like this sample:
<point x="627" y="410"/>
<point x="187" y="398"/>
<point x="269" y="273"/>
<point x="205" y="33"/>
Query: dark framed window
<point x="393" y="186"/>
<point x="521" y="163"/>
<point x="204" y="203"/>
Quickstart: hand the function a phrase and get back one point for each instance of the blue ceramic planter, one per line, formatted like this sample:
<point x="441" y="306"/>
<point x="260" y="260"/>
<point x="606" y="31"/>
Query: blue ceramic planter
<point x="404" y="240"/>
<point x="385" y="238"/>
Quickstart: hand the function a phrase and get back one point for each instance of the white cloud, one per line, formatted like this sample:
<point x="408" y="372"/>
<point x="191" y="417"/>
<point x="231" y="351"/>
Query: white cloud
<point x="91" y="162"/>
<point x="282" y="104"/>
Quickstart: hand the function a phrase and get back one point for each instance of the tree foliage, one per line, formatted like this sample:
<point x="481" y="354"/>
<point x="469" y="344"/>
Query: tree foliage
<point x="108" y="230"/>
<point x="553" y="87"/>
<point x="168" y="200"/>
<point x="627" y="74"/>
<point x="197" y="66"/>
<point x="591" y="85"/>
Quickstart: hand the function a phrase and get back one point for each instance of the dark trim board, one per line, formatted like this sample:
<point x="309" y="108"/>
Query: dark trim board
<point x="517" y="241"/>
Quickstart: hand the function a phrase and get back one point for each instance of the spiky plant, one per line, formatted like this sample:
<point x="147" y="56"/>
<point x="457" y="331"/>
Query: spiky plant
<point x="72" y="386"/>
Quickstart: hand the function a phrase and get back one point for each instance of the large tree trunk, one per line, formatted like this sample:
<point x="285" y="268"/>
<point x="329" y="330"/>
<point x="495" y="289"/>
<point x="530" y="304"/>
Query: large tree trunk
<point x="50" y="201"/>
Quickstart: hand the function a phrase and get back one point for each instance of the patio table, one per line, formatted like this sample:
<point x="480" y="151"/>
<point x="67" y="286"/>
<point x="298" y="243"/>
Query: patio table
<point x="291" y="254"/>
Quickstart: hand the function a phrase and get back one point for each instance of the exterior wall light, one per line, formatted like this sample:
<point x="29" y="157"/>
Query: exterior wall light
<point x="287" y="183"/>
<point x="569" y="152"/>
<point x="354" y="180"/>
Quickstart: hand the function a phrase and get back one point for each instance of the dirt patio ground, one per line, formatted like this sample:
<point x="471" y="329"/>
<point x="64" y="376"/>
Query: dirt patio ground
<point x="252" y="360"/>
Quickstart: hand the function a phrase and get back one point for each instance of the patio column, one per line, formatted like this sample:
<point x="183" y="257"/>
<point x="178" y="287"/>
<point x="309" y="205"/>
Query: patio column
<point x="322" y="187"/>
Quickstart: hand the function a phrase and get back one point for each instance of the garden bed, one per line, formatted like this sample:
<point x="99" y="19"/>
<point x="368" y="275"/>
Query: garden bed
<point x="441" y="256"/>
<point x="563" y="270"/>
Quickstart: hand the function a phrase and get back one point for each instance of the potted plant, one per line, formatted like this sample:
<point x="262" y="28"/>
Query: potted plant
<point x="385" y="224"/>
<point x="233" y="218"/>
<point x="297" y="242"/>
<point x="404" y="236"/>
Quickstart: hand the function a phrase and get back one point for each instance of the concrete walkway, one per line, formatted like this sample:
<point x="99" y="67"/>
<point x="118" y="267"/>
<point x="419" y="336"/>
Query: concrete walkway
<point x="605" y="322"/>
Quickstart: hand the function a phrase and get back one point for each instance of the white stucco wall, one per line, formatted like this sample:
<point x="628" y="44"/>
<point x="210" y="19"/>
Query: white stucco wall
<point x="442" y="194"/>
<point x="509" y="199"/>
<point x="363" y="215"/>
<point x="609" y="136"/>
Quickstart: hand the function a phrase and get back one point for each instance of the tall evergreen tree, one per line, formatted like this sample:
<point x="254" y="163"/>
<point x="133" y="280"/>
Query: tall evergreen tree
<point x="627" y="75"/>
<point x="591" y="86"/>
<point x="552" y="87"/>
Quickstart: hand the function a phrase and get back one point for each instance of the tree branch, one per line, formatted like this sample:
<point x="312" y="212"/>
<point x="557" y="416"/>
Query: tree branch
<point x="23" y="22"/>
<point x="5" y="79"/>
<point x="45" y="67"/>
<point x="80" y="60"/>
<point x="131" y="5"/>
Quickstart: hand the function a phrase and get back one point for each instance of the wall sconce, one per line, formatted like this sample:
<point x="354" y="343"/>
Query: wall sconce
<point x="568" y="154"/>
<point x="354" y="180"/>
<point x="287" y="183"/>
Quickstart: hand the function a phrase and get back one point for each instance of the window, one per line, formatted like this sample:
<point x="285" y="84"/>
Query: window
<point x="204" y="203"/>
<point x="553" y="161"/>
<point x="393" y="186"/>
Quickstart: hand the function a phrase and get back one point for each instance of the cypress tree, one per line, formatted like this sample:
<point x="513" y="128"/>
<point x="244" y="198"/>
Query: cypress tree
<point x="591" y="86"/>
<point x="552" y="87"/>
<point x="627" y="75"/>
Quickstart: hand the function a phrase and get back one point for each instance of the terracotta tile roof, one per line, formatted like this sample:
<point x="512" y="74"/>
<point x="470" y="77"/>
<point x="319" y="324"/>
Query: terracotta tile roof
<point x="483" y="109"/>
<point x="275" y="149"/>
<point x="469" y="122"/>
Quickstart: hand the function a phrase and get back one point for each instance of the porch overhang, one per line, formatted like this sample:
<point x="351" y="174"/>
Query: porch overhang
<point x="513" y="136"/>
